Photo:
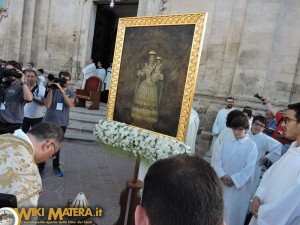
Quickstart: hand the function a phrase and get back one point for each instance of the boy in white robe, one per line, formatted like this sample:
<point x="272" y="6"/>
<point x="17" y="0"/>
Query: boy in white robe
<point x="277" y="199"/>
<point x="226" y="133"/>
<point x="235" y="164"/>
<point x="264" y="144"/>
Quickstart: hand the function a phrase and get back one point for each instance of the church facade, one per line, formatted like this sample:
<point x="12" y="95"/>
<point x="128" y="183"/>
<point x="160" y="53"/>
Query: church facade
<point x="249" y="46"/>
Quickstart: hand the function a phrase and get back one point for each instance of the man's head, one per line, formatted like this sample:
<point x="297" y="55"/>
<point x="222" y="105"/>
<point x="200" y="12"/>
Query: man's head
<point x="67" y="76"/>
<point x="229" y="102"/>
<point x="40" y="72"/>
<point x="269" y="115"/>
<point x="99" y="64"/>
<point x="31" y="77"/>
<point x="239" y="126"/>
<point x="3" y="63"/>
<point x="247" y="112"/>
<point x="90" y="61"/>
<point x="46" y="139"/>
<point x="233" y="114"/>
<point x="292" y="122"/>
<point x="30" y="65"/>
<point x="13" y="64"/>
<point x="259" y="124"/>
<point x="181" y="190"/>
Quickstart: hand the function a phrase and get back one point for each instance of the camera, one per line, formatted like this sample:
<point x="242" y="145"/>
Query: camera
<point x="6" y="76"/>
<point x="61" y="81"/>
<point x="258" y="96"/>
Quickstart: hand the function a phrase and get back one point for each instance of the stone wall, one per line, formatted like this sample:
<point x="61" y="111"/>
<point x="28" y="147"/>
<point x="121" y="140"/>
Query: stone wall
<point x="249" y="46"/>
<point x="54" y="34"/>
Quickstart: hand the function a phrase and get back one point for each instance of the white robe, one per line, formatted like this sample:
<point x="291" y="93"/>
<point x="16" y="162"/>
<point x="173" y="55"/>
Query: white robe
<point x="279" y="191"/>
<point x="191" y="134"/>
<point x="107" y="79"/>
<point x="219" y="124"/>
<point x="224" y="135"/>
<point x="88" y="71"/>
<point x="101" y="73"/>
<point x="236" y="158"/>
<point x="264" y="144"/>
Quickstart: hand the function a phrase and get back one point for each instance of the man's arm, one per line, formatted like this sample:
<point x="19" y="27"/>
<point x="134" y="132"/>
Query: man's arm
<point x="27" y="95"/>
<point x="48" y="99"/>
<point x="269" y="105"/>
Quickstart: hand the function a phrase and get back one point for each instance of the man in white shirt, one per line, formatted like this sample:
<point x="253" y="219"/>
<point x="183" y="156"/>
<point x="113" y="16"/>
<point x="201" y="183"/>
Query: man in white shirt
<point x="220" y="121"/>
<point x="101" y="73"/>
<point x="107" y="82"/>
<point x="277" y="199"/>
<point x="41" y="78"/>
<point x="33" y="111"/>
<point x="88" y="71"/>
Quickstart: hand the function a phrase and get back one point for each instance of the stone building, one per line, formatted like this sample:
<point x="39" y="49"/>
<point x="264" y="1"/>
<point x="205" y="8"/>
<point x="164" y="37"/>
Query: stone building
<point x="249" y="46"/>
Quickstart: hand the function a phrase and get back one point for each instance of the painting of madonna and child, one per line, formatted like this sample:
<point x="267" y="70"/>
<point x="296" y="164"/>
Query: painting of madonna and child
<point x="152" y="77"/>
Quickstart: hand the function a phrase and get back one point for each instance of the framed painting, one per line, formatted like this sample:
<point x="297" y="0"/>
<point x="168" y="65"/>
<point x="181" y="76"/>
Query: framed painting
<point x="155" y="68"/>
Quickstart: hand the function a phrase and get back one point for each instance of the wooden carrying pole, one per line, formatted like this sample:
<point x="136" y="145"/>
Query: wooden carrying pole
<point x="127" y="205"/>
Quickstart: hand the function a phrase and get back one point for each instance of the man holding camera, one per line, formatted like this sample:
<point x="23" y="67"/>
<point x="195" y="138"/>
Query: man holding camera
<point x="33" y="111"/>
<point x="14" y="94"/>
<point x="58" y="102"/>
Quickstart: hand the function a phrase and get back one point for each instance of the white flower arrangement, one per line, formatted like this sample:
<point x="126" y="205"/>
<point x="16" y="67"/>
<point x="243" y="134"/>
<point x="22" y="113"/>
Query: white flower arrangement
<point x="141" y="143"/>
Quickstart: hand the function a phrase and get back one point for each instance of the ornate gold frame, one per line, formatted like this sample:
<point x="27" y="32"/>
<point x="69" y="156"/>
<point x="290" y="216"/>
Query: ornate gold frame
<point x="197" y="19"/>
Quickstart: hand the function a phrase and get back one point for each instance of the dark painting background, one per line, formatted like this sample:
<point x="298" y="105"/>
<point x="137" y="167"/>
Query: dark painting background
<point x="173" y="44"/>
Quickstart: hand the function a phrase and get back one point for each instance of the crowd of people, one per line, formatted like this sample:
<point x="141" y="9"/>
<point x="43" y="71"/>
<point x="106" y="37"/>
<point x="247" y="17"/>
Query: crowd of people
<point x="32" y="108"/>
<point x="243" y="145"/>
<point x="179" y="190"/>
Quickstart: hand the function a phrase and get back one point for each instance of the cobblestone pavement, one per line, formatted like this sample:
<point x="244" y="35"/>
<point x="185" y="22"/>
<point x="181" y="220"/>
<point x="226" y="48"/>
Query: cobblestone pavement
<point x="88" y="168"/>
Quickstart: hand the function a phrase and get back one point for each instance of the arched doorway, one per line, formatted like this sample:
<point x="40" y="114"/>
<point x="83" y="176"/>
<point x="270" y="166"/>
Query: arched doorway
<point x="106" y="28"/>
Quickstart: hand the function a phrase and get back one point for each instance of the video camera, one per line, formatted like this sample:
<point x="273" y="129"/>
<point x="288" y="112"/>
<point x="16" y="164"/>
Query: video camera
<point x="61" y="81"/>
<point x="6" y="76"/>
<point x="260" y="98"/>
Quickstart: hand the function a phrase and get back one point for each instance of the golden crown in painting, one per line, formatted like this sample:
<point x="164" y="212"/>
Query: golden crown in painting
<point x="152" y="52"/>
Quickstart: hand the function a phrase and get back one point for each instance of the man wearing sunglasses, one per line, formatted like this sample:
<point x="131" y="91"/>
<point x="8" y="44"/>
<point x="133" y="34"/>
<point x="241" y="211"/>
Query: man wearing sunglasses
<point x="19" y="153"/>
<point x="277" y="200"/>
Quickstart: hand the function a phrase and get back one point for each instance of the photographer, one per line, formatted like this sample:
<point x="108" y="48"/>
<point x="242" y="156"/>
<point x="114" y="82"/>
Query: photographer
<point x="33" y="111"/>
<point x="58" y="102"/>
<point x="13" y="97"/>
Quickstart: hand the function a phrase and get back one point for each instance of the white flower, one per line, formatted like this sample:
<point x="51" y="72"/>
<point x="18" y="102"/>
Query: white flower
<point x="139" y="142"/>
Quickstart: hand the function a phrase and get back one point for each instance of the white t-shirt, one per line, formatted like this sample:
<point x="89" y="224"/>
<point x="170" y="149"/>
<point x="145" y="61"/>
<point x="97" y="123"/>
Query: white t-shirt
<point x="33" y="109"/>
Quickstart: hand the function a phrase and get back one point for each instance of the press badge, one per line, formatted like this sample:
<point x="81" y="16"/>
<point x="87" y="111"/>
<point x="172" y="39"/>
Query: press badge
<point x="59" y="106"/>
<point x="2" y="106"/>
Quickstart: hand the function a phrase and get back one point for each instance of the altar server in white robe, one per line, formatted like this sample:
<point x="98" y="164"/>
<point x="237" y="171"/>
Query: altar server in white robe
<point x="220" y="121"/>
<point x="264" y="144"/>
<point x="277" y="199"/>
<point x="101" y="73"/>
<point x="225" y="134"/>
<point x="235" y="164"/>
<point x="88" y="71"/>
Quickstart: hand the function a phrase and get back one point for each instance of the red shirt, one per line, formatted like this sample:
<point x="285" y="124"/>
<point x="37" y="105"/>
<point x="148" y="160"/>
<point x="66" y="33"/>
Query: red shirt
<point x="280" y="130"/>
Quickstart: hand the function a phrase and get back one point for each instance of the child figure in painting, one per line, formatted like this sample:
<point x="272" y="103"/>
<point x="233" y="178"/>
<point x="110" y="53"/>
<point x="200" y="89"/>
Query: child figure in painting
<point x="235" y="164"/>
